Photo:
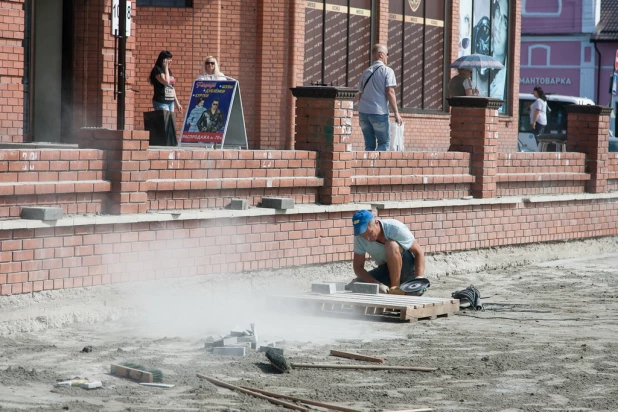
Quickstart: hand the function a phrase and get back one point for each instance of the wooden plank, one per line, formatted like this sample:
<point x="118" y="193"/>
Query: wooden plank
<point x="130" y="373"/>
<point x="306" y="401"/>
<point x="364" y="367"/>
<point x="404" y="308"/>
<point x="420" y="313"/>
<point x="381" y="296"/>
<point x="356" y="356"/>
<point x="385" y="299"/>
<point x="252" y="393"/>
<point x="413" y="410"/>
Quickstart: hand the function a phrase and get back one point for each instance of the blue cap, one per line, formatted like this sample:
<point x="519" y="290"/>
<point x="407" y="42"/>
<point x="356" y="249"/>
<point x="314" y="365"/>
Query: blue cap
<point x="360" y="221"/>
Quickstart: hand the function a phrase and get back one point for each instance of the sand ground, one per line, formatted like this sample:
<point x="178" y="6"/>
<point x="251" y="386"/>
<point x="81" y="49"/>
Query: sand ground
<point x="547" y="341"/>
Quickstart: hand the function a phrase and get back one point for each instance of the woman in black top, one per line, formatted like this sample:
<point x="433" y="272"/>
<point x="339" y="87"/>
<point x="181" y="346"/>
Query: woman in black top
<point x="161" y="78"/>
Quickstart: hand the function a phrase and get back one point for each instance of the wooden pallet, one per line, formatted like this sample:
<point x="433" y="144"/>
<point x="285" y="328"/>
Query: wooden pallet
<point x="400" y="308"/>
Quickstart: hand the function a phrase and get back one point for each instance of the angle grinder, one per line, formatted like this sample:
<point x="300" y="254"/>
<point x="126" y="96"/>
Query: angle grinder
<point x="415" y="287"/>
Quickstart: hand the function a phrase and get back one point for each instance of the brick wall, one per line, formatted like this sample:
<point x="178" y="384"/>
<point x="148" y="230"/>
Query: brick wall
<point x="71" y="179"/>
<point x="88" y="76"/>
<point x="423" y="132"/>
<point x="11" y="70"/>
<point x="392" y="176"/>
<point x="226" y="30"/>
<point x="81" y="255"/>
<point x="541" y="173"/>
<point x="197" y="179"/>
<point x="612" y="170"/>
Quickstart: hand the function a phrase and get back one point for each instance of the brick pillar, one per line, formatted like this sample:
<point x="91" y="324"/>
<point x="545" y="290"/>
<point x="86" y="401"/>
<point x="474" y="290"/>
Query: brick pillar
<point x="324" y="124"/>
<point x="382" y="20"/>
<point x="126" y="166"/>
<point x="588" y="132"/>
<point x="474" y="123"/>
<point x="12" y="72"/>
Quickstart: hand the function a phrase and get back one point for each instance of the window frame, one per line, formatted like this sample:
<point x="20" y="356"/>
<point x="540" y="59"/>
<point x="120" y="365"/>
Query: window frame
<point x="446" y="55"/>
<point x="373" y="29"/>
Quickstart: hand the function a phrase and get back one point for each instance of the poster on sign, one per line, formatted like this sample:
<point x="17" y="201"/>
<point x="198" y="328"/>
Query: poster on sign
<point x="214" y="115"/>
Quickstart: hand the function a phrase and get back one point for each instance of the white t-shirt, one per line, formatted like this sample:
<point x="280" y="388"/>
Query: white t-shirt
<point x="467" y="84"/>
<point x="393" y="230"/>
<point x="541" y="105"/>
<point x="205" y="76"/>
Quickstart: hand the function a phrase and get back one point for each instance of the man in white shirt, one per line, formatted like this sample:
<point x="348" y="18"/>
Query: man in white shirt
<point x="390" y="243"/>
<point x="376" y="89"/>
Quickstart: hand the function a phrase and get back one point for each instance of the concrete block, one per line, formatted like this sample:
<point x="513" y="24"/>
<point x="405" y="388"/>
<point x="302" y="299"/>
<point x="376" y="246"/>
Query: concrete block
<point x="91" y="385"/>
<point x="226" y="341"/>
<point x="369" y="288"/>
<point x="210" y="341"/>
<point x="229" y="351"/>
<point x="239" y="204"/>
<point x="246" y="339"/>
<point x="41" y="213"/>
<point x="264" y="349"/>
<point x="324" y="288"/>
<point x="238" y="331"/>
<point x="277" y="203"/>
<point x="339" y="286"/>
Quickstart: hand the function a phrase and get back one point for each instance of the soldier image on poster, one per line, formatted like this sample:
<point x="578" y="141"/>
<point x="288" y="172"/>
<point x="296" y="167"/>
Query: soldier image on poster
<point x="212" y="119"/>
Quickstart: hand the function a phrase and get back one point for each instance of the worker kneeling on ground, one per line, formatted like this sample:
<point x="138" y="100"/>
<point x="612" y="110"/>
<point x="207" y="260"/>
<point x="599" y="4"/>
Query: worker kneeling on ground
<point x="392" y="246"/>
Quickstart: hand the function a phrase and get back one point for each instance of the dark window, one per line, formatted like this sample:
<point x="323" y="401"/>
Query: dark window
<point x="337" y="41"/>
<point x="165" y="3"/>
<point x="416" y="52"/>
<point x="556" y="116"/>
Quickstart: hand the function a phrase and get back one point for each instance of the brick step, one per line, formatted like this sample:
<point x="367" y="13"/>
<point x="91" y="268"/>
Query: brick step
<point x="541" y="177"/>
<point x="233" y="183"/>
<point x="410" y="180"/>
<point x="224" y="173"/>
<point x="612" y="175"/>
<point x="41" y="188"/>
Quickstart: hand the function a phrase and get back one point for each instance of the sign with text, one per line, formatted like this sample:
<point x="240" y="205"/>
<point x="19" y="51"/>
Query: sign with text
<point x="616" y="61"/>
<point x="214" y="115"/>
<point x="116" y="15"/>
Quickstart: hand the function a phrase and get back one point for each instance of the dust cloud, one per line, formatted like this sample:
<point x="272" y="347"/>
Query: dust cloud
<point x="216" y="305"/>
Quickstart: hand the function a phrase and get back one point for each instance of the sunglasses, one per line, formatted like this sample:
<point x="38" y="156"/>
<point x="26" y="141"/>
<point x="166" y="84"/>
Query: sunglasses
<point x="209" y="63"/>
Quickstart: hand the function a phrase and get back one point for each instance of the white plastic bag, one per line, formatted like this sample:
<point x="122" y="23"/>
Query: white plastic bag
<point x="397" y="139"/>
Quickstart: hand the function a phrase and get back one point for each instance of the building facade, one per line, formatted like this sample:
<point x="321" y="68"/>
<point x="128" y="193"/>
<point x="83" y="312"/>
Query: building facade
<point x="605" y="40"/>
<point x="59" y="73"/>
<point x="556" y="52"/>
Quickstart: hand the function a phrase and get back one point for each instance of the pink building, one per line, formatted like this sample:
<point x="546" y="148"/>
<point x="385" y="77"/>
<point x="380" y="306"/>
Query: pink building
<point x="556" y="52"/>
<point x="569" y="47"/>
<point x="605" y="40"/>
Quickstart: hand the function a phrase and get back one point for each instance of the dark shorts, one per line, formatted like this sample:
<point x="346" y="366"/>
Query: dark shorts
<point x="538" y="129"/>
<point x="382" y="275"/>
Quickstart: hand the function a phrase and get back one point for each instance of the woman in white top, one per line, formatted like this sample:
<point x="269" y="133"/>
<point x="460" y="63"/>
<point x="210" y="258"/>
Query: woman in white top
<point x="211" y="70"/>
<point x="538" y="112"/>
